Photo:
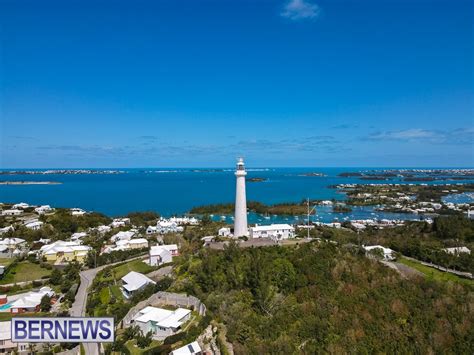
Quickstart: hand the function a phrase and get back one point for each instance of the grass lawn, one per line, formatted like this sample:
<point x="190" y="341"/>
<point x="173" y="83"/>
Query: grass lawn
<point x="6" y="316"/>
<point x="434" y="274"/>
<point x="134" y="350"/>
<point x="105" y="296"/>
<point x="6" y="261"/>
<point x="115" y="290"/>
<point x="24" y="271"/>
<point x="134" y="265"/>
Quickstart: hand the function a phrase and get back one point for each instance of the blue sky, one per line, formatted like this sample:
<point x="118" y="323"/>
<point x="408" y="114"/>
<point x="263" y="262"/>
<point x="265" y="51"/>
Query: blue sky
<point x="172" y="83"/>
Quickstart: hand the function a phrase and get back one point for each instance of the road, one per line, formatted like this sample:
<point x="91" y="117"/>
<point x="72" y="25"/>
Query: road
<point x="78" y="308"/>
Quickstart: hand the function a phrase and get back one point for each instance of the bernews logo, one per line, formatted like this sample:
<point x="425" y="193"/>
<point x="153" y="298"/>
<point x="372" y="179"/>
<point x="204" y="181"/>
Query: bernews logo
<point x="62" y="330"/>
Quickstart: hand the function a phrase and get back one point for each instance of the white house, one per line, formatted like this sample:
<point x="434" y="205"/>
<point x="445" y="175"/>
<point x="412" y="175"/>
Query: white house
<point x="5" y="253"/>
<point x="12" y="243"/>
<point x="138" y="243"/>
<point x="162" y="254"/>
<point x="44" y="209"/>
<point x="168" y="226"/>
<point x="161" y="322"/>
<point x="77" y="212"/>
<point x="123" y="235"/>
<point x="224" y="232"/>
<point x="21" y="205"/>
<point x="184" y="220"/>
<point x="457" y="250"/>
<point x="12" y="212"/>
<point x="103" y="229"/>
<point x="152" y="230"/>
<point x="120" y="222"/>
<point x="6" y="229"/>
<point x="273" y="231"/>
<point x="78" y="235"/>
<point x="6" y="344"/>
<point x="134" y="282"/>
<point x="61" y="251"/>
<point x="30" y="302"/>
<point x="189" y="349"/>
<point x="34" y="225"/>
<point x="388" y="254"/>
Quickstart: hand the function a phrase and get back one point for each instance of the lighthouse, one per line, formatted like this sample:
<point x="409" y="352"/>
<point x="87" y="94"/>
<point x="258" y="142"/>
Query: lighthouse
<point x="240" y="218"/>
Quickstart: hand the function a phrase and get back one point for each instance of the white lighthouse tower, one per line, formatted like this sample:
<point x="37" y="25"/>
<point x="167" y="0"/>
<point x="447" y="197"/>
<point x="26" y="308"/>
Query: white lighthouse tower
<point x="240" y="218"/>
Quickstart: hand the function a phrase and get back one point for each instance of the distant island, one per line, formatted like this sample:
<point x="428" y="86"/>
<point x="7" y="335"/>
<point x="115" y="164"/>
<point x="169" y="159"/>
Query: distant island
<point x="256" y="179"/>
<point x="60" y="172"/>
<point x="313" y="174"/>
<point x="30" y="183"/>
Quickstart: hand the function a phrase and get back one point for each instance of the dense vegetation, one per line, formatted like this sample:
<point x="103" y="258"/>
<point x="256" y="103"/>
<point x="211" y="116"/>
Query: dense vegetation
<point x="254" y="206"/>
<point x="426" y="242"/>
<point x="322" y="298"/>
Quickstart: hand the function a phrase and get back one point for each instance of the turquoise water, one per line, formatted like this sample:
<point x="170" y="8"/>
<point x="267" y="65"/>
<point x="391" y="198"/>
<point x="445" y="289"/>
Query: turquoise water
<point x="175" y="191"/>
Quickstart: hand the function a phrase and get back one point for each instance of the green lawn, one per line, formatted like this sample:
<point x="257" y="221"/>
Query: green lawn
<point x="135" y="265"/>
<point x="134" y="350"/>
<point x="104" y="296"/>
<point x="434" y="274"/>
<point x="6" y="316"/>
<point x="115" y="290"/>
<point x="6" y="261"/>
<point x="24" y="271"/>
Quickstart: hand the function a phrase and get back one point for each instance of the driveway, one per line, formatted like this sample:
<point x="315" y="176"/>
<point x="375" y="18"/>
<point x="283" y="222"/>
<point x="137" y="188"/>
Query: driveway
<point x="78" y="308"/>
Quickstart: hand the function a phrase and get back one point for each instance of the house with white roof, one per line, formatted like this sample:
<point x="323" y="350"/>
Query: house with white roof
<point x="78" y="235"/>
<point x="273" y="231"/>
<point x="30" y="302"/>
<point x="134" y="282"/>
<point x="21" y="205"/>
<point x="103" y="229"/>
<point x="62" y="252"/>
<point x="12" y="212"/>
<point x="138" y="243"/>
<point x="6" y="229"/>
<point x="388" y="254"/>
<point x="161" y="322"/>
<point x="224" y="232"/>
<point x="11" y="247"/>
<point x="77" y="212"/>
<point x="457" y="250"/>
<point x="34" y="225"/>
<point x="13" y="243"/>
<point x="162" y="254"/>
<point x="189" y="349"/>
<point x="166" y="226"/>
<point x="120" y="222"/>
<point x="184" y="220"/>
<point x="123" y="235"/>
<point x="6" y="344"/>
<point x="44" y="209"/>
<point x="152" y="230"/>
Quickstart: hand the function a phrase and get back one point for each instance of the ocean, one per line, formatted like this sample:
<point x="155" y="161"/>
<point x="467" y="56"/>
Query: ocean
<point x="176" y="191"/>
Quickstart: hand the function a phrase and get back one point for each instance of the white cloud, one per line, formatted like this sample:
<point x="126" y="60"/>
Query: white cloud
<point x="300" y="10"/>
<point x="456" y="136"/>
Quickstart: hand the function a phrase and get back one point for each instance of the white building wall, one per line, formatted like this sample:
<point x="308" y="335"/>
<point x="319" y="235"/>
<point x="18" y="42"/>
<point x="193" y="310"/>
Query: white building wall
<point x="240" y="218"/>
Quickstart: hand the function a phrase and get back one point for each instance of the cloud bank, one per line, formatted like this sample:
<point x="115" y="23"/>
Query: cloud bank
<point x="300" y="10"/>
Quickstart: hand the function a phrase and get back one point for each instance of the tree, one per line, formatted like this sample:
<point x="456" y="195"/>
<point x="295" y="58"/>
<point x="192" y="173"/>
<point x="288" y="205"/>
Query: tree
<point x="45" y="304"/>
<point x="144" y="341"/>
<point x="55" y="277"/>
<point x="131" y="332"/>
